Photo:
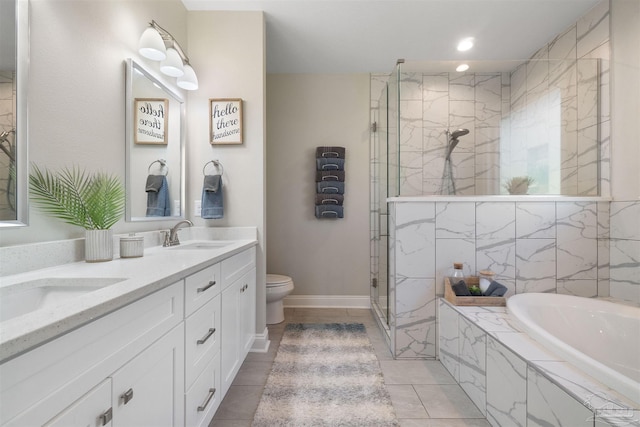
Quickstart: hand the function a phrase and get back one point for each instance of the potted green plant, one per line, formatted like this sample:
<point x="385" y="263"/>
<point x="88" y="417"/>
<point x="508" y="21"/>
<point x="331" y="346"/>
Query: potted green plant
<point x="519" y="184"/>
<point x="94" y="202"/>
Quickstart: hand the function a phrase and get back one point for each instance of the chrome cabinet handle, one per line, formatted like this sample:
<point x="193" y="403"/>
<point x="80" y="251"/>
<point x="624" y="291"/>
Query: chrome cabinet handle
<point x="212" y="391"/>
<point x="244" y="288"/>
<point x="127" y="396"/>
<point x="204" y="288"/>
<point x="106" y="416"/>
<point x="206" y="337"/>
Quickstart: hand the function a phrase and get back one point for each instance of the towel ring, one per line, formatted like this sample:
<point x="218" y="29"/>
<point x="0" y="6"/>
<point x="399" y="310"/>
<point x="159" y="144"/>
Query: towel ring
<point x="163" y="164"/>
<point x="215" y="163"/>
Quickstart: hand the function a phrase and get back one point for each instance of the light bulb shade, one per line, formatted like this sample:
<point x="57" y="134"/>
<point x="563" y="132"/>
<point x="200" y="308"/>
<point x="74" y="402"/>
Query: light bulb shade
<point x="189" y="80"/>
<point x="172" y="65"/>
<point x="151" y="45"/>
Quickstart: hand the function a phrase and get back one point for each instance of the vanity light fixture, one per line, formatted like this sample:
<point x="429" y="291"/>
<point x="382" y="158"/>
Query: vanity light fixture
<point x="189" y="80"/>
<point x="465" y="44"/>
<point x="172" y="65"/>
<point x="158" y="44"/>
<point x="462" y="67"/>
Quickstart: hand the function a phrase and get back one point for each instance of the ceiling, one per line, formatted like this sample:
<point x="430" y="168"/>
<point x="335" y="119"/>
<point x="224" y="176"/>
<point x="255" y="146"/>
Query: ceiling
<point x="363" y="36"/>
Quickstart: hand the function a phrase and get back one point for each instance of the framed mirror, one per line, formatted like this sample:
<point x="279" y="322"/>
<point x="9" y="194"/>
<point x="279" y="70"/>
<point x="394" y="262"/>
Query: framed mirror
<point x="14" y="75"/>
<point x="155" y="128"/>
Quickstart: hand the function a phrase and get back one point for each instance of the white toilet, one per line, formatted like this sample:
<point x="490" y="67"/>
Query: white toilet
<point x="278" y="287"/>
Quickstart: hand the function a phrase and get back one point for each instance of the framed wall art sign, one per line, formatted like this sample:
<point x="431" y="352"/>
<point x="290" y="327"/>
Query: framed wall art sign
<point x="225" y="121"/>
<point x="152" y="118"/>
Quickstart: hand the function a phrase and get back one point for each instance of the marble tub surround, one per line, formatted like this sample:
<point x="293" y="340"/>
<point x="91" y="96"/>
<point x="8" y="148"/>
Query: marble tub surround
<point x="515" y="381"/>
<point x="533" y="244"/>
<point x="158" y="268"/>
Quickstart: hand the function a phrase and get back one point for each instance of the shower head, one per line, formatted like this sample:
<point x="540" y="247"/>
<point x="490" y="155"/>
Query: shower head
<point x="453" y="140"/>
<point x="458" y="133"/>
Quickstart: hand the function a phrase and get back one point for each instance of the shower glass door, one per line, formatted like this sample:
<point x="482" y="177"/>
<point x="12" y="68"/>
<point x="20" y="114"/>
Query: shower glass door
<point x="379" y="214"/>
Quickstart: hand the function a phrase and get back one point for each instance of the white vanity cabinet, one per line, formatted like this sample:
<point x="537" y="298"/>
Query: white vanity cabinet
<point x="166" y="359"/>
<point x="238" y="313"/>
<point x="84" y="377"/>
<point x="202" y="346"/>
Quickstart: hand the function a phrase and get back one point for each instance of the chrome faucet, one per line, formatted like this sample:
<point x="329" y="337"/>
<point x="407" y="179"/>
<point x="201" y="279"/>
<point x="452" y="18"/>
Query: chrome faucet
<point x="171" y="237"/>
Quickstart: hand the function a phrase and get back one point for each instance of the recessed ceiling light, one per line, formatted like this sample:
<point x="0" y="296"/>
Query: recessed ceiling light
<point x="465" y="44"/>
<point x="462" y="67"/>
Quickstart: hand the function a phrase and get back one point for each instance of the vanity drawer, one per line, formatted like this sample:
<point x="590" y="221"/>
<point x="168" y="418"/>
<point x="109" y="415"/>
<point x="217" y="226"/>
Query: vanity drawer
<point x="202" y="338"/>
<point x="200" y="287"/>
<point x="203" y="398"/>
<point x="235" y="267"/>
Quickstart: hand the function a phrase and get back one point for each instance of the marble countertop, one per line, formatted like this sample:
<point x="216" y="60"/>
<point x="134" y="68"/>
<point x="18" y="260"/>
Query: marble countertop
<point x="157" y="269"/>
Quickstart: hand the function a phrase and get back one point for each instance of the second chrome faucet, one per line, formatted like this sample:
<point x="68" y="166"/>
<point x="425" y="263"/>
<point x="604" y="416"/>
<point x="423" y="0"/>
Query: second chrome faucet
<point x="171" y="236"/>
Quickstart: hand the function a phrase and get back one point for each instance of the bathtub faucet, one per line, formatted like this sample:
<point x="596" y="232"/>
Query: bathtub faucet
<point x="171" y="237"/>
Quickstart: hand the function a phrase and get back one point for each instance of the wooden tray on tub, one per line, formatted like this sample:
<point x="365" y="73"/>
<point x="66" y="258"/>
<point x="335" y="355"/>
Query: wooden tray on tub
<point x="450" y="296"/>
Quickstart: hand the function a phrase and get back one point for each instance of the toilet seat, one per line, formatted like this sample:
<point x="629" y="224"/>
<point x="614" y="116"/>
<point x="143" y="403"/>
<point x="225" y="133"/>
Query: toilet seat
<point x="275" y="280"/>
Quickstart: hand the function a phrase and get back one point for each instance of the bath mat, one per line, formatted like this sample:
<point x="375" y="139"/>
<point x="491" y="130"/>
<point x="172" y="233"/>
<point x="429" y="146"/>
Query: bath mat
<point x="325" y="375"/>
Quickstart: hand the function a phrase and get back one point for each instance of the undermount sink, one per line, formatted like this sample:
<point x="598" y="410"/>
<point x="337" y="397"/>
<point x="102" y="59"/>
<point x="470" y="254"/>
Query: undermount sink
<point x="210" y="244"/>
<point x="37" y="294"/>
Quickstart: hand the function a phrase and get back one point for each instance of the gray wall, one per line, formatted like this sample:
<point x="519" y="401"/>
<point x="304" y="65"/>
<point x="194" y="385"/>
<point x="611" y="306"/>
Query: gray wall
<point x="324" y="257"/>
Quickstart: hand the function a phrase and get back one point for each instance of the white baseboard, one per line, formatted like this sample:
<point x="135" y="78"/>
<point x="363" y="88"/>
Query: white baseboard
<point x="261" y="342"/>
<point x="327" y="301"/>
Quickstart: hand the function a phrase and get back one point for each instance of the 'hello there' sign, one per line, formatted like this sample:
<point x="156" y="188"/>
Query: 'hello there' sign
<point x="151" y="120"/>
<point x="225" y="121"/>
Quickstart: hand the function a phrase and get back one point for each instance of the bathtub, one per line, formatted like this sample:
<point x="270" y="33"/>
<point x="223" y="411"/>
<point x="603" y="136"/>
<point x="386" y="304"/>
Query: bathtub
<point x="599" y="337"/>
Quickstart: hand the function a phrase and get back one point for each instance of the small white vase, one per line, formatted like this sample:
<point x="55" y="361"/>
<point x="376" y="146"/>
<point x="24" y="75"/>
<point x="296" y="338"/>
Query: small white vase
<point x="98" y="245"/>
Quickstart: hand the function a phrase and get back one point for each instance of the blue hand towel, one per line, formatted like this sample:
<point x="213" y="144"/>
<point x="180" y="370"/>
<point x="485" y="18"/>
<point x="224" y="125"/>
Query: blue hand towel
<point x="328" y="164"/>
<point x="158" y="201"/>
<point x="212" y="200"/>
<point x="329" y="211"/>
<point x="330" y="187"/>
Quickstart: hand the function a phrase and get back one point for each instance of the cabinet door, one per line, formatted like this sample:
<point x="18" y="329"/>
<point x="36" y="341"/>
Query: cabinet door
<point x="203" y="398"/>
<point x="148" y="390"/>
<point x="202" y="339"/>
<point x="231" y="334"/>
<point x="91" y="410"/>
<point x="248" y="313"/>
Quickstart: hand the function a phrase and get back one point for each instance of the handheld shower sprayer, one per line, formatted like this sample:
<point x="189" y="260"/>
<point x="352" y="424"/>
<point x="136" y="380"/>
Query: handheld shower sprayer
<point x="453" y="140"/>
<point x="458" y="133"/>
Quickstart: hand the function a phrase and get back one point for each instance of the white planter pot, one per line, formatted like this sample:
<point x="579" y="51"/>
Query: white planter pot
<point x="98" y="245"/>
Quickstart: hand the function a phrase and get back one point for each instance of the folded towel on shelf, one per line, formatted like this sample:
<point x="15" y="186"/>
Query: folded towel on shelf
<point x="330" y="187"/>
<point x="329" y="164"/>
<point x="329" y="176"/>
<point x="158" y="201"/>
<point x="212" y="198"/>
<point x="329" y="199"/>
<point x="329" y="211"/>
<point x="495" y="289"/>
<point x="460" y="288"/>
<point x="335" y="152"/>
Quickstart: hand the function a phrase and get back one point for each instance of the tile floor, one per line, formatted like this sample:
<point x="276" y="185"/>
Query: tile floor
<point x="422" y="391"/>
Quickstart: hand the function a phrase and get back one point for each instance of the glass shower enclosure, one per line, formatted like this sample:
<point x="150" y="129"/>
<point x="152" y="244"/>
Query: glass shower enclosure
<point x="535" y="126"/>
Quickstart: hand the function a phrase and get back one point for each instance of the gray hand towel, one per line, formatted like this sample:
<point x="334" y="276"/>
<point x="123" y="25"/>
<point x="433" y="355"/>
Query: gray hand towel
<point x="329" y="199"/>
<point x="212" y="183"/>
<point x="329" y="211"/>
<point x="154" y="182"/>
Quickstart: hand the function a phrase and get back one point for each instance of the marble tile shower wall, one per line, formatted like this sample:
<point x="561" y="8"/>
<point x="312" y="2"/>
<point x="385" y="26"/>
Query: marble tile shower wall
<point x="433" y="103"/>
<point x="624" y="245"/>
<point x="564" y="77"/>
<point x="558" y="247"/>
